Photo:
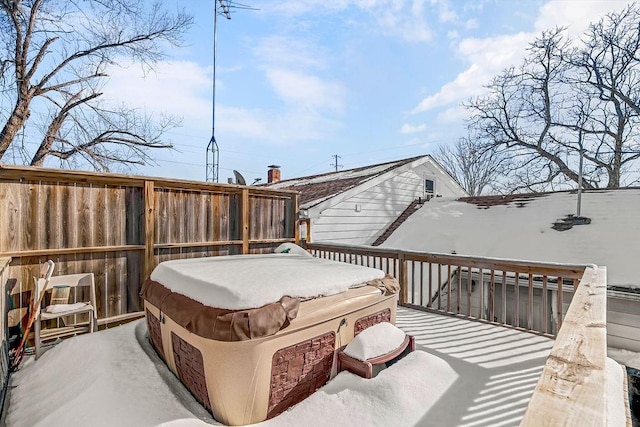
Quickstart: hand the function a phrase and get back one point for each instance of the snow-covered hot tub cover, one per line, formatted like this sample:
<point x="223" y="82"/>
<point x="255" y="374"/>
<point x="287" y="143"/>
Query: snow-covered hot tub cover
<point x="241" y="297"/>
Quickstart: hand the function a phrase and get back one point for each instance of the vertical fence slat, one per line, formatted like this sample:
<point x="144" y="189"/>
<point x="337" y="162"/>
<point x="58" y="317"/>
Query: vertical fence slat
<point x="481" y="311"/>
<point x="559" y="302"/>
<point x="530" y="303"/>
<point x="421" y="284"/>
<point x="429" y="304"/>
<point x="469" y="290"/>
<point x="448" y="287"/>
<point x="492" y="297"/>
<point x="516" y="290"/>
<point x="440" y="287"/>
<point x="504" y="297"/>
<point x="545" y="309"/>
<point x="149" y="230"/>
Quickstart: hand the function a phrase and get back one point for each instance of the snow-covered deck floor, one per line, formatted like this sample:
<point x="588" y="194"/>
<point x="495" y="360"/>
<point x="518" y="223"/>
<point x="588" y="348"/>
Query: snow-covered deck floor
<point x="497" y="368"/>
<point x="108" y="379"/>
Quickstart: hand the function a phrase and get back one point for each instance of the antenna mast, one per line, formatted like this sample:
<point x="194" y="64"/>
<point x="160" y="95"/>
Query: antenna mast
<point x="222" y="8"/>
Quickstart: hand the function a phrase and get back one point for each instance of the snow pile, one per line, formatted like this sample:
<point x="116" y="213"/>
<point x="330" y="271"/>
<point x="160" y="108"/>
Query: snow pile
<point x="240" y="282"/>
<point x="115" y="383"/>
<point x="101" y="379"/>
<point x="398" y="396"/>
<point x="291" y="248"/>
<point x="61" y="308"/>
<point x="375" y="341"/>
<point x="615" y="403"/>
<point x="523" y="231"/>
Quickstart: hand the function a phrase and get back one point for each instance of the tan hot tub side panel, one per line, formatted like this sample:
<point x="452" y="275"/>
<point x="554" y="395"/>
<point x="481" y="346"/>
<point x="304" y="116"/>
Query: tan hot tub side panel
<point x="239" y="373"/>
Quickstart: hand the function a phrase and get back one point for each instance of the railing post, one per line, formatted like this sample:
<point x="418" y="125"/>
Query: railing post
<point x="402" y="278"/>
<point x="296" y="218"/>
<point x="245" y="221"/>
<point x="149" y="228"/>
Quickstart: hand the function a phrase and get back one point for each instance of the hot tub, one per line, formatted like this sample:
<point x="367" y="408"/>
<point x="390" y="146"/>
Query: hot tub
<point x="251" y="335"/>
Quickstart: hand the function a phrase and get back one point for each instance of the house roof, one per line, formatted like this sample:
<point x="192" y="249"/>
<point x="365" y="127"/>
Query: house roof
<point x="318" y="188"/>
<point x="536" y="227"/>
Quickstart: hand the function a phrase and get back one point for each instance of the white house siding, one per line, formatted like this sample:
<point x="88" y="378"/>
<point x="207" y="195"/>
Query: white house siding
<point x="362" y="217"/>
<point x="623" y="323"/>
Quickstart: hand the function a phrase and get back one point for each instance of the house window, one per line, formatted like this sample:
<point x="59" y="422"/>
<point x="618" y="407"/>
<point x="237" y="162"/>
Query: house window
<point x="429" y="186"/>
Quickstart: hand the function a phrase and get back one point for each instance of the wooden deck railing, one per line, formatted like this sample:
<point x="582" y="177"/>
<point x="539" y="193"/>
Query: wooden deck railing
<point x="572" y="389"/>
<point x="532" y="296"/>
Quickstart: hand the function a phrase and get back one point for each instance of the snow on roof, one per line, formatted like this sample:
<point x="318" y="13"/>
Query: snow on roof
<point x="519" y="227"/>
<point x="318" y="188"/>
<point x="239" y="282"/>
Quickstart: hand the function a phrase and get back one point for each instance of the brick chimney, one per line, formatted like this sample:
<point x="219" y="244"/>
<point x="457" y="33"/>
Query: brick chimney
<point x="273" y="174"/>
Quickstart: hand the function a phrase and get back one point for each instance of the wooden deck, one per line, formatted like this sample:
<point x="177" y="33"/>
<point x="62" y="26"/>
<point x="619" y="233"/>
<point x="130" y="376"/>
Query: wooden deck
<point x="498" y="367"/>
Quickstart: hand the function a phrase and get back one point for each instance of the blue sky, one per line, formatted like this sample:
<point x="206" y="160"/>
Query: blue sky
<point x="368" y="80"/>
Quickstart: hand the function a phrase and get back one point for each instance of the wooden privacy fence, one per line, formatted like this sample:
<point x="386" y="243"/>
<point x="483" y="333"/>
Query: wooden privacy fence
<point x="119" y="227"/>
<point x="528" y="295"/>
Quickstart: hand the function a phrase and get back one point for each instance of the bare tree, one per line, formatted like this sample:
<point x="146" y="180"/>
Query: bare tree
<point x="475" y="167"/>
<point x="565" y="101"/>
<point x="53" y="58"/>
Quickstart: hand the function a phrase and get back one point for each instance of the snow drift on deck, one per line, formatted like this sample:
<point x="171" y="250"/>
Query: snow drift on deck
<point x="241" y="282"/>
<point x="107" y="379"/>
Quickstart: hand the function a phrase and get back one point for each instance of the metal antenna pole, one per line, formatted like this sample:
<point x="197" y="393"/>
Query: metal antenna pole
<point x="580" y="182"/>
<point x="222" y="7"/>
<point x="213" y="151"/>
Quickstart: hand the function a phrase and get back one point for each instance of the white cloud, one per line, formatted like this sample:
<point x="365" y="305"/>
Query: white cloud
<point x="396" y="18"/>
<point x="306" y="90"/>
<point x="471" y="24"/>
<point x="452" y="115"/>
<point x="577" y="19"/>
<point x="446" y="13"/>
<point x="180" y="88"/>
<point x="408" y="129"/>
<point x="488" y="56"/>
<point x="290" y="52"/>
<point x="280" y="128"/>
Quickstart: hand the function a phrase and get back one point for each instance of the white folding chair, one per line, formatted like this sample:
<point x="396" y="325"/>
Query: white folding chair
<point x="68" y="314"/>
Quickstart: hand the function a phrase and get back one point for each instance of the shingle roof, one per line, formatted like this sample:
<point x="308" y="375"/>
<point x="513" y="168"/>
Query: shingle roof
<point x="317" y="188"/>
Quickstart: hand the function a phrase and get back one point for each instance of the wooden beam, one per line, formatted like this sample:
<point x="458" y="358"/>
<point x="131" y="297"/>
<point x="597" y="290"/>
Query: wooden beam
<point x="9" y="172"/>
<point x="402" y="279"/>
<point x="72" y="251"/>
<point x="197" y="244"/>
<point x="220" y="243"/>
<point x="245" y="221"/>
<point x="149" y="228"/>
<point x="523" y="267"/>
<point x="572" y="388"/>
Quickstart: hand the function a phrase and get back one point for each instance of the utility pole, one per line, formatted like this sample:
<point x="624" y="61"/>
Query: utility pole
<point x="335" y="162"/>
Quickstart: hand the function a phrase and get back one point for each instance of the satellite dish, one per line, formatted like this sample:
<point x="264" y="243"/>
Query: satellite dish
<point x="239" y="178"/>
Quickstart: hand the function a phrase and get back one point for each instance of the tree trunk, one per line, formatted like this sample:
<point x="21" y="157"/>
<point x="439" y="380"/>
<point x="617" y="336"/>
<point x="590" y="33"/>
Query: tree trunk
<point x="15" y="122"/>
